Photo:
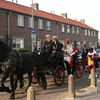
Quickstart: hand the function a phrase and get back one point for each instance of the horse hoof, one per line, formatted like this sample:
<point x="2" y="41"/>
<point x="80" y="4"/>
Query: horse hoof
<point x="11" y="98"/>
<point x="44" y="88"/>
<point x="21" y="86"/>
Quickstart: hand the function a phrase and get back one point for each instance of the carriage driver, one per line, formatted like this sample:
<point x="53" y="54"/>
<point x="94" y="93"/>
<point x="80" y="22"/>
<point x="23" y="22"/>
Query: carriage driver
<point x="46" y="50"/>
<point x="56" y="48"/>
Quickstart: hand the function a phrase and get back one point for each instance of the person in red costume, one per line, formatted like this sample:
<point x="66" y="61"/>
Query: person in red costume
<point x="70" y="52"/>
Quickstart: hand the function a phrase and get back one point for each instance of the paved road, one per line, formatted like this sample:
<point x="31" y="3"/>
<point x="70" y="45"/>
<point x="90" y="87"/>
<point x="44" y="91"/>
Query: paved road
<point x="53" y="92"/>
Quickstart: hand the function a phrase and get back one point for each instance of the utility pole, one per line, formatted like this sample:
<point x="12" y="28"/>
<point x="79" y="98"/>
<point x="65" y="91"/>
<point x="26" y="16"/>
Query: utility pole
<point x="32" y="28"/>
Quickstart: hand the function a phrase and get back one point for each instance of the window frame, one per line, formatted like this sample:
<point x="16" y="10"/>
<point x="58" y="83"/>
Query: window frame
<point x="68" y="28"/>
<point x="30" y="22"/>
<point x="15" y="42"/>
<point x="86" y="32"/>
<point x="21" y="20"/>
<point x="62" y="28"/>
<point x="73" y="29"/>
<point x="40" y="24"/>
<point x="77" y="30"/>
<point x="89" y="33"/>
<point x="48" y="25"/>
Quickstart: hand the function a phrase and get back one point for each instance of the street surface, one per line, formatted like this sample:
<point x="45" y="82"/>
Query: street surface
<point x="53" y="91"/>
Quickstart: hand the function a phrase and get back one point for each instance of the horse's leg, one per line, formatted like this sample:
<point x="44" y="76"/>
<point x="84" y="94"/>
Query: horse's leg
<point x="16" y="80"/>
<point x="30" y="79"/>
<point x="43" y="79"/>
<point x="20" y="78"/>
<point x="2" y="83"/>
<point x="21" y="81"/>
<point x="38" y="78"/>
<point x="11" y="75"/>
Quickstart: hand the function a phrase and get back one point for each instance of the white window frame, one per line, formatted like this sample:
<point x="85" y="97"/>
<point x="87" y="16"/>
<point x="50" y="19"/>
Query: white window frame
<point x="30" y="22"/>
<point x="90" y="44"/>
<point x="94" y="33"/>
<point x="48" y="26"/>
<point x="68" y="28"/>
<point x="20" y="20"/>
<point x="89" y="33"/>
<point x="85" y="32"/>
<point x="77" y="30"/>
<point x="2" y="38"/>
<point x="95" y="44"/>
<point x="38" y="43"/>
<point x="16" y="42"/>
<point x="62" y="28"/>
<point x="73" y="30"/>
<point x="40" y="24"/>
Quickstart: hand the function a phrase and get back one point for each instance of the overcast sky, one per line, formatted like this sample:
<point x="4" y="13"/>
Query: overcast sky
<point x="75" y="9"/>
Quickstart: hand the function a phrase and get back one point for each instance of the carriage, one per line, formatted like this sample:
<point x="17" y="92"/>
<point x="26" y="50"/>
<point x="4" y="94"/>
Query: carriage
<point x="57" y="68"/>
<point x="15" y="64"/>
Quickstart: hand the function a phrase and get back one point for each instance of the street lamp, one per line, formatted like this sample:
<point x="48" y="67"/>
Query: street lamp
<point x="32" y="28"/>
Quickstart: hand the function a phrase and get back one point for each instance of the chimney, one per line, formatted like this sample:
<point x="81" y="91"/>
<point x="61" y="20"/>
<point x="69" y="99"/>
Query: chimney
<point x="35" y="6"/>
<point x="82" y="20"/>
<point x="64" y="15"/>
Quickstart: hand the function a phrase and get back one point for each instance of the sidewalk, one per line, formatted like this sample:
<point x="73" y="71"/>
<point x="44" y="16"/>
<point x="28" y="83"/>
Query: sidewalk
<point x="88" y="93"/>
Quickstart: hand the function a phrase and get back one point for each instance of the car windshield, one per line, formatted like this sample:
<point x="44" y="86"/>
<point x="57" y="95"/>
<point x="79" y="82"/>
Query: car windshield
<point x="98" y="50"/>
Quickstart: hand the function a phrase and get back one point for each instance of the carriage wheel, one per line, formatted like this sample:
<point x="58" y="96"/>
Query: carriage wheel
<point x="34" y="78"/>
<point x="59" y="75"/>
<point x="79" y="68"/>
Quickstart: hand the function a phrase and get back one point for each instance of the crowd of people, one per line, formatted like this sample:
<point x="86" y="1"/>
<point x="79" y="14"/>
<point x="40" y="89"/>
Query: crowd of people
<point x="53" y="48"/>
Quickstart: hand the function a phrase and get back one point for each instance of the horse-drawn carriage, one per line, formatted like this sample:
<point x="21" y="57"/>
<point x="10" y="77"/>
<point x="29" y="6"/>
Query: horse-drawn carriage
<point x="57" y="68"/>
<point x="15" y="64"/>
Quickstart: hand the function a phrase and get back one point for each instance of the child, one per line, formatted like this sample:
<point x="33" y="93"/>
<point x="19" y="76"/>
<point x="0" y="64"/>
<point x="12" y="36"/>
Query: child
<point x="91" y="61"/>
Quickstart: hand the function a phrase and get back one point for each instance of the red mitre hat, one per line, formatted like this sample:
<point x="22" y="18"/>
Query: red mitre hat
<point x="68" y="41"/>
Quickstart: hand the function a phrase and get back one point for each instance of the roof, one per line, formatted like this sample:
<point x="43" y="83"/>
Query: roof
<point x="42" y="14"/>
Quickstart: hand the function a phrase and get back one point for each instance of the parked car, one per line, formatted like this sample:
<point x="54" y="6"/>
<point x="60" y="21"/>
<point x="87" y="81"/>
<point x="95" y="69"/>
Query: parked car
<point x="98" y="53"/>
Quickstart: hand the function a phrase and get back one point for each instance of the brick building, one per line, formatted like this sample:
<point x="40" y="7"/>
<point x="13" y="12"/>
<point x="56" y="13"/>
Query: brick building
<point x="16" y="25"/>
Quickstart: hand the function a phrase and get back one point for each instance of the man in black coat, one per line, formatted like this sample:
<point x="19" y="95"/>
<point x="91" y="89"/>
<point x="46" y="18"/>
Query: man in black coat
<point x="47" y="48"/>
<point x="56" y="48"/>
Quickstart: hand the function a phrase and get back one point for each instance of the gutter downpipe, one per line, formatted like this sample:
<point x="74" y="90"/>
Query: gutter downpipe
<point x="9" y="28"/>
<point x="57" y="29"/>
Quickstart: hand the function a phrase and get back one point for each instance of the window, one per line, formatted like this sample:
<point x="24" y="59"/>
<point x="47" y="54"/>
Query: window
<point x="90" y="44"/>
<point x="92" y="33"/>
<point x="30" y="22"/>
<point x="85" y="32"/>
<point x="18" y="43"/>
<point x="68" y="28"/>
<point x="40" y="24"/>
<point x="77" y="30"/>
<point x="2" y="38"/>
<point x="62" y="28"/>
<point x="73" y="30"/>
<point x="38" y="43"/>
<point x="48" y="25"/>
<point x="95" y="44"/>
<point x="88" y="32"/>
<point x="20" y="20"/>
<point x="78" y="44"/>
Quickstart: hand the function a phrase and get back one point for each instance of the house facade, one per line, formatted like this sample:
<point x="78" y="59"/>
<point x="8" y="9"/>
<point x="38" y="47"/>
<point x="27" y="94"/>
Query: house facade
<point x="17" y="22"/>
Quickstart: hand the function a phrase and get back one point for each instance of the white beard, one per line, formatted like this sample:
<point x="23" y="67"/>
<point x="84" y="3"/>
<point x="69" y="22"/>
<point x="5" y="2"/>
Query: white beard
<point x="69" y="49"/>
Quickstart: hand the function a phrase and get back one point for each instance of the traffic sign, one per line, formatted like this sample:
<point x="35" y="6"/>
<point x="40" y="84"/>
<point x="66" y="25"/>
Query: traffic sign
<point x="33" y="31"/>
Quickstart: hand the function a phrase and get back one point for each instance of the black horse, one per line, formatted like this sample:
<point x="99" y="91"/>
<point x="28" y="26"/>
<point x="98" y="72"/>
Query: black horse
<point x="15" y="64"/>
